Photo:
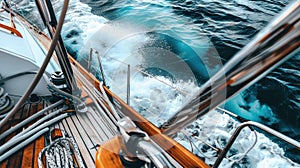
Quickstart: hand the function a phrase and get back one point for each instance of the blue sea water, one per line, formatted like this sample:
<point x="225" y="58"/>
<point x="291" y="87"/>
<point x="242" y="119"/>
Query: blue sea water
<point x="229" y="25"/>
<point x="184" y="42"/>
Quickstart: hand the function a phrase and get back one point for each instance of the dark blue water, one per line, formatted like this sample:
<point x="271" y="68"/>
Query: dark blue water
<point x="230" y="25"/>
<point x="204" y="34"/>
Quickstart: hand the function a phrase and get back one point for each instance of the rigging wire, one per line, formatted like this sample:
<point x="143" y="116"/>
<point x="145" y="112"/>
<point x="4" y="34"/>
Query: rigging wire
<point x="218" y="149"/>
<point x="278" y="42"/>
<point x="43" y="67"/>
<point x="147" y="74"/>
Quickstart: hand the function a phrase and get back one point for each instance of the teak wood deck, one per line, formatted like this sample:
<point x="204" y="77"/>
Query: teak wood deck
<point x="88" y="130"/>
<point x="94" y="127"/>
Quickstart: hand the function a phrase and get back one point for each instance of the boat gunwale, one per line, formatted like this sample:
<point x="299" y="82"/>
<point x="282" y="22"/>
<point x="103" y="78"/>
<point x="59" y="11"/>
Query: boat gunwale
<point x="183" y="156"/>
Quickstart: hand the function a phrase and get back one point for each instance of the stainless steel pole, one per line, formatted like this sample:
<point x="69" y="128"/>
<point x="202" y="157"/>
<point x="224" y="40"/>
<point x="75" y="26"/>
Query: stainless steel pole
<point x="274" y="45"/>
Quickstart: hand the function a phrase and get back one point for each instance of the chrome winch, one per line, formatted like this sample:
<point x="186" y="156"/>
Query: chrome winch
<point x="59" y="90"/>
<point x="58" y="79"/>
<point x="58" y="82"/>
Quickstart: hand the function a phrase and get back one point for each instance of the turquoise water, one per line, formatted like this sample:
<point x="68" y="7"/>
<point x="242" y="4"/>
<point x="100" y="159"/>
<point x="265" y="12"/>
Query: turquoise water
<point x="183" y="43"/>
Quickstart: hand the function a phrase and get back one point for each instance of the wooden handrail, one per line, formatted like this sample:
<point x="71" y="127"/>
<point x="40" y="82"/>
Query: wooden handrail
<point x="11" y="29"/>
<point x="183" y="156"/>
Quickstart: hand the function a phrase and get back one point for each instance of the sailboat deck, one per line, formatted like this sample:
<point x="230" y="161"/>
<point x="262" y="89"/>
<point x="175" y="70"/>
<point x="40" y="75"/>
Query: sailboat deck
<point x="24" y="157"/>
<point x="87" y="129"/>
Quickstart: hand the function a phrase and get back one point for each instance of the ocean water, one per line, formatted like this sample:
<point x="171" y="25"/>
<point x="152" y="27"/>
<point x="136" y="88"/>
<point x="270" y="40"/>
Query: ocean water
<point x="181" y="43"/>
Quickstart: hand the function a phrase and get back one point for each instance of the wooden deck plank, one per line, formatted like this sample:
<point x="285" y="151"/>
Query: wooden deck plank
<point x="98" y="137"/>
<point x="61" y="126"/>
<point x="24" y="157"/>
<point x="88" y="100"/>
<point x="27" y="156"/>
<point x="81" y="142"/>
<point x="101" y="114"/>
<point x="100" y="123"/>
<point x="28" y="151"/>
<point x="68" y="124"/>
<point x="12" y="121"/>
<point x="3" y="164"/>
<point x="66" y="127"/>
<point x="5" y="127"/>
<point x="104" y="114"/>
<point x="177" y="151"/>
<point x="15" y="161"/>
<point x="11" y="161"/>
<point x="22" y="112"/>
<point x="39" y="145"/>
<point x="96" y="126"/>
<point x="91" y="138"/>
<point x="104" y="124"/>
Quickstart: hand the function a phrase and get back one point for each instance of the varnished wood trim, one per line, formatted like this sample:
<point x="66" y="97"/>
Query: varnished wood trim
<point x="28" y="155"/>
<point x="173" y="148"/>
<point x="108" y="154"/>
<point x="39" y="145"/>
<point x="11" y="29"/>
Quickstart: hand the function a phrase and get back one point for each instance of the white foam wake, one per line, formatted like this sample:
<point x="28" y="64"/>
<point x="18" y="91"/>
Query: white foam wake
<point x="158" y="101"/>
<point x="215" y="129"/>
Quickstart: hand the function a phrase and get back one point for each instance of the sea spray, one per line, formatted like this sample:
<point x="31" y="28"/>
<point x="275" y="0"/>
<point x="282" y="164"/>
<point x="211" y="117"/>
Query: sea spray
<point x="81" y="23"/>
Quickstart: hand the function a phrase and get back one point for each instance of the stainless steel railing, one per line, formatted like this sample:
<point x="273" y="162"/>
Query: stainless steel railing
<point x="97" y="67"/>
<point x="277" y="134"/>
